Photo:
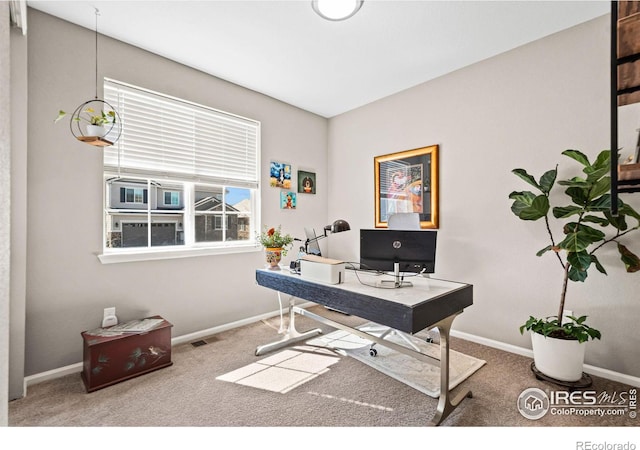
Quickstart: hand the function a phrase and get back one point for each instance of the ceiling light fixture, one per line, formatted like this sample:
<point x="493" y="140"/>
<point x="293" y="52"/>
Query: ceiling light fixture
<point x="336" y="10"/>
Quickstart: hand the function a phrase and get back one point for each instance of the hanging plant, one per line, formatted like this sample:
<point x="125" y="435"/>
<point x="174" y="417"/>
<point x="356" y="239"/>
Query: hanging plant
<point x="97" y="117"/>
<point x="100" y="119"/>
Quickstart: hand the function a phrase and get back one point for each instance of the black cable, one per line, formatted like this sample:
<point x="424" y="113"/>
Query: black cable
<point x="352" y="266"/>
<point x="370" y="271"/>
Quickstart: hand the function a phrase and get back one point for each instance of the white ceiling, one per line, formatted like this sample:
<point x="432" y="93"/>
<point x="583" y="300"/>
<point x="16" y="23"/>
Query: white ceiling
<point x="284" y="50"/>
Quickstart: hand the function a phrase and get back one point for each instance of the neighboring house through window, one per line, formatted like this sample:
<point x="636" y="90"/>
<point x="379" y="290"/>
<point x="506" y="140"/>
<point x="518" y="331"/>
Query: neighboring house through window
<point x="133" y="195"/>
<point x="180" y="177"/>
<point x="171" y="198"/>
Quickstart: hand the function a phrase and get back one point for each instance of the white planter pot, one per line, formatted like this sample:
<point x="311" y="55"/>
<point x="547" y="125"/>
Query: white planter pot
<point x="558" y="358"/>
<point x="96" y="130"/>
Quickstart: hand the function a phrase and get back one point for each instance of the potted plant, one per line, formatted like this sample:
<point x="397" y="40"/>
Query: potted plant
<point x="94" y="121"/>
<point x="275" y="244"/>
<point x="588" y="226"/>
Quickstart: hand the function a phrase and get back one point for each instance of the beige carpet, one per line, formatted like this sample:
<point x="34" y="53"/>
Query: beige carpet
<point x="350" y="394"/>
<point x="419" y="375"/>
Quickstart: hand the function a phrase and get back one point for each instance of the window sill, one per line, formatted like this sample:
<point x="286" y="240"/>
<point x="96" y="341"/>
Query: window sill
<point x="152" y="255"/>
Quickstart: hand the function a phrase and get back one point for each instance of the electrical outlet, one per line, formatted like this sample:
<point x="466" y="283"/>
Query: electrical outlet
<point x="109" y="312"/>
<point x="567" y="312"/>
<point x="109" y="318"/>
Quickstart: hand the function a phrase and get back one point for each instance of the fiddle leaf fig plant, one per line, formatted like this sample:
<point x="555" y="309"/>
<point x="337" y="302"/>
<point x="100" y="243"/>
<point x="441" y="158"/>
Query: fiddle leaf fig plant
<point x="587" y="226"/>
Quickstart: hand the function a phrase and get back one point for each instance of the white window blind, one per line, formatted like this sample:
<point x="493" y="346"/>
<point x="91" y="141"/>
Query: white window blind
<point x="173" y="138"/>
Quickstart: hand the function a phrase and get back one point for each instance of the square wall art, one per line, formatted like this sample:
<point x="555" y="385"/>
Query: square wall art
<point x="287" y="200"/>
<point x="280" y="175"/>
<point x="306" y="182"/>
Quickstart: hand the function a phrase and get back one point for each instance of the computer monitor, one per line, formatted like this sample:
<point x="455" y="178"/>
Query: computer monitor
<point x="398" y="251"/>
<point x="312" y="242"/>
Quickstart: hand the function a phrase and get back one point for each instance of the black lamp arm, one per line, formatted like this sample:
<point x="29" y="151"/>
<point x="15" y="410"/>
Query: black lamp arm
<point x="309" y="241"/>
<point x="336" y="227"/>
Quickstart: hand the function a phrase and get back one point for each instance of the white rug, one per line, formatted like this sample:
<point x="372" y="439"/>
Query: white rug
<point x="404" y="368"/>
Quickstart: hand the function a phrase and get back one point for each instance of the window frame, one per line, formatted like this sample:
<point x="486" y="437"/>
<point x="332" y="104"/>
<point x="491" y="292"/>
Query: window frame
<point x="189" y="247"/>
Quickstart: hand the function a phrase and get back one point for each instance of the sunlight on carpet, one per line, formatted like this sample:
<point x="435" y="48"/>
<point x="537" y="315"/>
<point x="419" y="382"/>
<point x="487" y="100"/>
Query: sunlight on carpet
<point x="283" y="371"/>
<point x="290" y="368"/>
<point x="404" y="368"/>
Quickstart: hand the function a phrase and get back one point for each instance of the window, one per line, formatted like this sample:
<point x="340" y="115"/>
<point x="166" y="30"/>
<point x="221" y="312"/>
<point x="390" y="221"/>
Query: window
<point x="181" y="179"/>
<point x="171" y="198"/>
<point x="133" y="195"/>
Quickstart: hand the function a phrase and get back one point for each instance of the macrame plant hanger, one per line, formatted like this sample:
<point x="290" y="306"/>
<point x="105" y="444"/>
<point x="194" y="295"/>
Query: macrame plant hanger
<point x="95" y="121"/>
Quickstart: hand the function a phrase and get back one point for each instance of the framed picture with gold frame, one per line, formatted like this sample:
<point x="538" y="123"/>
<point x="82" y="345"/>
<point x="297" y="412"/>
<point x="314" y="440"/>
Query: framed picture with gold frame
<point x="407" y="181"/>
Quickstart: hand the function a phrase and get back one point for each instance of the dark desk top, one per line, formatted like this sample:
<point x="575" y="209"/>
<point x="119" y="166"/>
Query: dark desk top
<point x="408" y="309"/>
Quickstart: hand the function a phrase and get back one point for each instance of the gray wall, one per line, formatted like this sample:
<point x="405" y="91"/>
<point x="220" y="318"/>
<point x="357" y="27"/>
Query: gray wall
<point x="519" y="109"/>
<point x="18" y="211"/>
<point x="67" y="285"/>
<point x="5" y="213"/>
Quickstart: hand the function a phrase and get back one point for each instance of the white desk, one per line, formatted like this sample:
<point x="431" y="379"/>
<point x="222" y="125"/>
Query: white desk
<point x="429" y="303"/>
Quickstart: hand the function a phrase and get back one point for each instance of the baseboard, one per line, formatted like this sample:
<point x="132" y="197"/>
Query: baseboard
<point x="592" y="370"/>
<point x="491" y="343"/>
<point x="77" y="367"/>
<point x="51" y="375"/>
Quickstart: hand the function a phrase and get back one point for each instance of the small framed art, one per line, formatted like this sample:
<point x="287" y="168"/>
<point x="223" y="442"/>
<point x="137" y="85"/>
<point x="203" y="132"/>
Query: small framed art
<point x="306" y="182"/>
<point x="288" y="200"/>
<point x="280" y="175"/>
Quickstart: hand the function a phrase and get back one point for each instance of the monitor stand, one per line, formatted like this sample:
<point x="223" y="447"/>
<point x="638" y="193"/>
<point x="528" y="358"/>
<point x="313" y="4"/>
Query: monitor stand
<point x="397" y="281"/>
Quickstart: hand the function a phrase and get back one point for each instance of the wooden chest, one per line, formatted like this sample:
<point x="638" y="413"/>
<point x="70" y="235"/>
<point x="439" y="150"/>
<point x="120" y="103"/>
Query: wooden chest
<point x="114" y="356"/>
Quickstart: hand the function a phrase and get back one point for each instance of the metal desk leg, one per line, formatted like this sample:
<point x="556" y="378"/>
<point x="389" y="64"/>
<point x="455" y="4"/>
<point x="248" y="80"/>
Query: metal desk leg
<point x="291" y="336"/>
<point x="445" y="405"/>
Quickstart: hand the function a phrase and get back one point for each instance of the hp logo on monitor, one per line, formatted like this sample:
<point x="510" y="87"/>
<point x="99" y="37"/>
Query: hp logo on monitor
<point x="397" y="244"/>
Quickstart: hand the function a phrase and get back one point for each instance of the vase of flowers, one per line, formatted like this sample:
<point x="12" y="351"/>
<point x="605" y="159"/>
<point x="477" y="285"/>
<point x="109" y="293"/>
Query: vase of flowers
<point x="275" y="244"/>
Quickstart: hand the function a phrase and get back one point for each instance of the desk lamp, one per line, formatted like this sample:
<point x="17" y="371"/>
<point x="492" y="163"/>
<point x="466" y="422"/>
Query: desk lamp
<point x="336" y="227"/>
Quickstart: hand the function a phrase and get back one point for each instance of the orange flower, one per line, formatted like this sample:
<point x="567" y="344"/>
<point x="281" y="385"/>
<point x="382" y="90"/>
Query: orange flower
<point x="272" y="237"/>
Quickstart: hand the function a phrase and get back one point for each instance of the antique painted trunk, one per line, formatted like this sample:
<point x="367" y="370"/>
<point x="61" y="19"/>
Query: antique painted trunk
<point x="118" y="353"/>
